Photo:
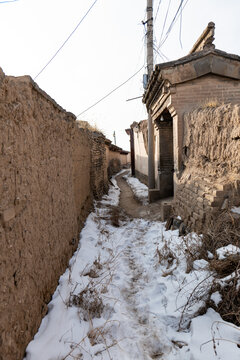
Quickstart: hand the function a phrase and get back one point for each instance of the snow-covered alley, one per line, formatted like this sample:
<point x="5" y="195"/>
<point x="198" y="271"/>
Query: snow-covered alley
<point x="128" y="294"/>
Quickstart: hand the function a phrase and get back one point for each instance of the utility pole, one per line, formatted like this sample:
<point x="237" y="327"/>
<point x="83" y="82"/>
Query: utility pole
<point x="114" y="137"/>
<point x="151" y="171"/>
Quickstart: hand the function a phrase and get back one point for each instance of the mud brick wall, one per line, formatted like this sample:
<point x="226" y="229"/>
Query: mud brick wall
<point x="210" y="181"/>
<point x="49" y="170"/>
<point x="114" y="159"/>
<point x="82" y="167"/>
<point x="198" y="92"/>
<point x="99" y="178"/>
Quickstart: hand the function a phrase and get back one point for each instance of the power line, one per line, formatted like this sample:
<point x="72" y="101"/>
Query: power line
<point x="9" y="1"/>
<point x="56" y="53"/>
<point x="175" y="18"/>
<point x="110" y="93"/>
<point x="180" y="30"/>
<point x="166" y="16"/>
<point x="157" y="10"/>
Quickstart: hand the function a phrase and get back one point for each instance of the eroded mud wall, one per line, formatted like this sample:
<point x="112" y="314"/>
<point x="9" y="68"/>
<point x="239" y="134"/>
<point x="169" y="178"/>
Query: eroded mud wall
<point x="47" y="168"/>
<point x="210" y="180"/>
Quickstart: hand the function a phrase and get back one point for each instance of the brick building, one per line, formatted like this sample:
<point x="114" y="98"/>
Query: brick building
<point x="205" y="78"/>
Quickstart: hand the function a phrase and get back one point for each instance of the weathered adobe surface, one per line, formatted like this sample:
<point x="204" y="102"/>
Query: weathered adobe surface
<point x="46" y="181"/>
<point x="211" y="157"/>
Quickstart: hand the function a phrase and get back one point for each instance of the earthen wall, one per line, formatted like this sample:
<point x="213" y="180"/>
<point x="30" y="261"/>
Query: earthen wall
<point x="210" y="180"/>
<point x="49" y="172"/>
<point x="185" y="97"/>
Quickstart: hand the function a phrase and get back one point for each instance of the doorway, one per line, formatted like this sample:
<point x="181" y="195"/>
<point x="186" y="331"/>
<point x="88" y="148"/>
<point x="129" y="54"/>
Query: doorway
<point x="166" y="161"/>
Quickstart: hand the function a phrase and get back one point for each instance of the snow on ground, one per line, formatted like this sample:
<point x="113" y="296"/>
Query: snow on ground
<point x="236" y="210"/>
<point x="127" y="295"/>
<point x="139" y="189"/>
<point x="225" y="251"/>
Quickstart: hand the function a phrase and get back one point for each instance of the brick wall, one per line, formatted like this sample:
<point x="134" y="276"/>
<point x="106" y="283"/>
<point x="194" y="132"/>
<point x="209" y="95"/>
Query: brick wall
<point x="114" y="159"/>
<point x="210" y="87"/>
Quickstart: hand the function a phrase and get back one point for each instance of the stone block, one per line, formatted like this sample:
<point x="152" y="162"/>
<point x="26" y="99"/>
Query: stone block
<point x="225" y="204"/>
<point x="223" y="187"/>
<point x="210" y="198"/>
<point x="195" y="216"/>
<point x="153" y="195"/>
<point x="201" y="193"/>
<point x="218" y="193"/>
<point x="8" y="214"/>
<point x="166" y="210"/>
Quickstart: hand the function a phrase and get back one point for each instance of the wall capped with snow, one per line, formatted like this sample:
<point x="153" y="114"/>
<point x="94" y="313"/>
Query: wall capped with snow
<point x="210" y="180"/>
<point x="49" y="169"/>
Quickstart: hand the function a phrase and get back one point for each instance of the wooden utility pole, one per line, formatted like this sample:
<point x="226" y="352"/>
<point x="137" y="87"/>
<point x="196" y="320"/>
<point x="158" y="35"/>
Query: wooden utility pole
<point x="114" y="137"/>
<point x="151" y="170"/>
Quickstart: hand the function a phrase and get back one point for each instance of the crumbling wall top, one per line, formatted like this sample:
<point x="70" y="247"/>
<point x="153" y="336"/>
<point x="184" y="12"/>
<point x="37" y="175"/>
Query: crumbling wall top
<point x="205" y="41"/>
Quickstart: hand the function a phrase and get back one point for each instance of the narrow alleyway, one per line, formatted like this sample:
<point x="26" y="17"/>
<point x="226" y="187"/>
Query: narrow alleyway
<point x="125" y="292"/>
<point x="132" y="206"/>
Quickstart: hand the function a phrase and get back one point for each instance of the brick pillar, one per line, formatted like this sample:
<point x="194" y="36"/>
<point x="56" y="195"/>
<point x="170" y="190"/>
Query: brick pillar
<point x="165" y="166"/>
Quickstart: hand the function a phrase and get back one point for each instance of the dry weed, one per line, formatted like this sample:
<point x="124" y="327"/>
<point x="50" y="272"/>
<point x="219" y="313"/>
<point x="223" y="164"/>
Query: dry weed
<point x="226" y="266"/>
<point x="201" y="292"/>
<point x="224" y="230"/>
<point x="214" y="339"/>
<point x="192" y="250"/>
<point x="116" y="215"/>
<point x="89" y="302"/>
<point x="165" y="255"/>
<point x="210" y="103"/>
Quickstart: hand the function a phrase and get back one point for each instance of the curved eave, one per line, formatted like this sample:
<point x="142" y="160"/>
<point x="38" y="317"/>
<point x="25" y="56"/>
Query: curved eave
<point x="192" y="67"/>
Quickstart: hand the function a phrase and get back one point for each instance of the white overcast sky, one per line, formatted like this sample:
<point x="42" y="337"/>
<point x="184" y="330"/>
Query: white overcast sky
<point x="107" y="48"/>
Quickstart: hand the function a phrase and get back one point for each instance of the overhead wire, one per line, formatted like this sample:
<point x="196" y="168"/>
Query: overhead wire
<point x="157" y="50"/>
<point x="180" y="30"/>
<point x="175" y="18"/>
<point x="110" y="93"/>
<point x="139" y="58"/>
<point x="157" y="10"/>
<point x="126" y="81"/>
<point x="8" y="1"/>
<point x="64" y="43"/>
<point x="165" y="20"/>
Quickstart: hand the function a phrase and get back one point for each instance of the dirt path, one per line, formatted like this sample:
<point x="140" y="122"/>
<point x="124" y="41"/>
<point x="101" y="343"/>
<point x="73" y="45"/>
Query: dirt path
<point x="134" y="208"/>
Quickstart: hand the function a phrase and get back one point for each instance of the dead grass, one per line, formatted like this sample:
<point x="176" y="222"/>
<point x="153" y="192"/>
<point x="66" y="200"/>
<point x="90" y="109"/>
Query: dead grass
<point x="215" y="340"/>
<point x="226" y="266"/>
<point x="165" y="255"/>
<point x="116" y="216"/>
<point x="193" y="250"/>
<point x="210" y="103"/>
<point x="220" y="232"/>
<point x="89" y="302"/>
<point x="229" y="307"/>
<point x="92" y="128"/>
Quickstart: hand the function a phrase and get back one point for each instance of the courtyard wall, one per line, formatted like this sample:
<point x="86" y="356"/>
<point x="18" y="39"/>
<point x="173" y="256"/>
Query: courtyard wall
<point x="210" y="180"/>
<point x="50" y="171"/>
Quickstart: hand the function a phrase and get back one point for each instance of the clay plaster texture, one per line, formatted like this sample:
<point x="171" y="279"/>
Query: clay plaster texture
<point x="210" y="180"/>
<point x="49" y="172"/>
